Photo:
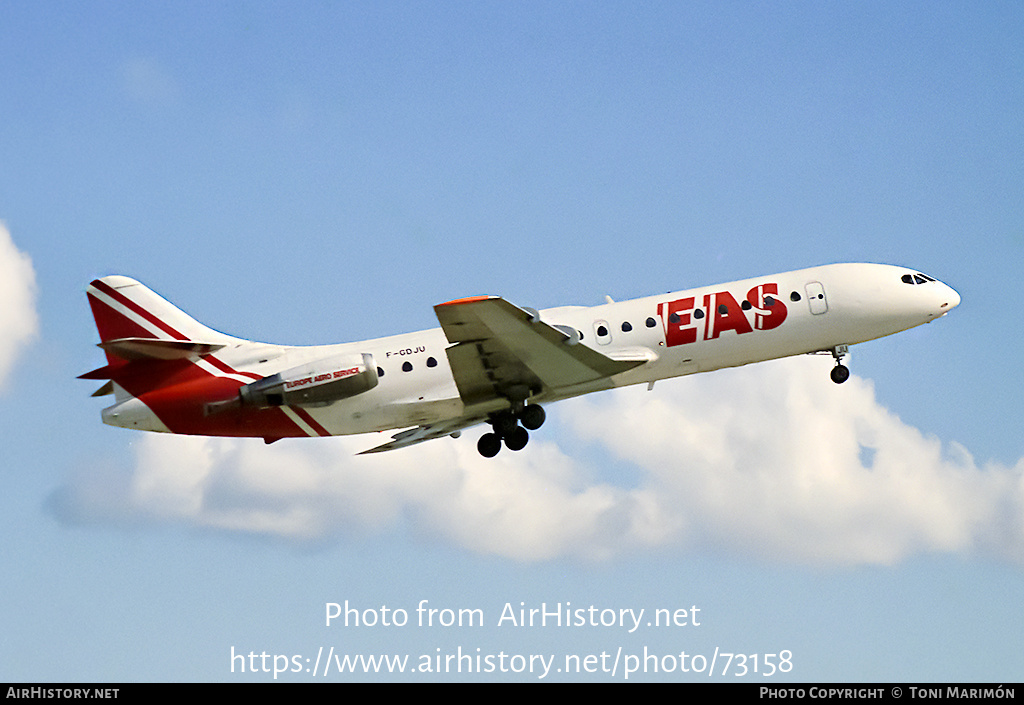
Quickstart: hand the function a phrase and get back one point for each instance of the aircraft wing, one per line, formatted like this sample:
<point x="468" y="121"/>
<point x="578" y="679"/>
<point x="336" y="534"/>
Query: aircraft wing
<point x="412" y="436"/>
<point x="501" y="350"/>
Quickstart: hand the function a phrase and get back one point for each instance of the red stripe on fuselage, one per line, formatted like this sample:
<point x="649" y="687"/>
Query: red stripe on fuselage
<point x="177" y="391"/>
<point x="308" y="418"/>
<point x="228" y="369"/>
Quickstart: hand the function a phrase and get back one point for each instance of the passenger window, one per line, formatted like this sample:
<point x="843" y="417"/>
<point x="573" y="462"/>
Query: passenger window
<point x="431" y="362"/>
<point x="650" y="322"/>
<point x="626" y="326"/>
<point x="406" y="366"/>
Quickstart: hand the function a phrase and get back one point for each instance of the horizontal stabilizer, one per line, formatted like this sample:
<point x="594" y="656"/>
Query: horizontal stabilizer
<point x="157" y="349"/>
<point x="103" y="391"/>
<point x="105" y="372"/>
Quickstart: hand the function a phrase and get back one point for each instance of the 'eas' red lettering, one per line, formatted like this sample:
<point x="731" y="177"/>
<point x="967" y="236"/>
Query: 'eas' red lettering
<point x="770" y="311"/>
<point x="676" y="319"/>
<point x="724" y="314"/>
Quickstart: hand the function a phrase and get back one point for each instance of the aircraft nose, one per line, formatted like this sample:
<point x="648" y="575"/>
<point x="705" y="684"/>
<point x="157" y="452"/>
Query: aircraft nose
<point x="949" y="298"/>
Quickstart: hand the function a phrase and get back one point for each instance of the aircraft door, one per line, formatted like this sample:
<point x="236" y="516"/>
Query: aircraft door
<point x="602" y="332"/>
<point x="816" y="297"/>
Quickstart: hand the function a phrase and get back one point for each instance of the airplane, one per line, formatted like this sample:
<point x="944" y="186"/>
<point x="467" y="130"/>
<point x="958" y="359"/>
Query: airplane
<point x="490" y="361"/>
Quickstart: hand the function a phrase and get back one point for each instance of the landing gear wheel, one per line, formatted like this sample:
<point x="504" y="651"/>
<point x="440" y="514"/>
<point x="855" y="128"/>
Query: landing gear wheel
<point x="518" y="439"/>
<point x="504" y="424"/>
<point x="532" y="417"/>
<point x="840" y="373"/>
<point x="489" y="445"/>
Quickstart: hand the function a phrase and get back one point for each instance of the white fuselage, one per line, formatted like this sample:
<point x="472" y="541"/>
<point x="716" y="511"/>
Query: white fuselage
<point x="679" y="333"/>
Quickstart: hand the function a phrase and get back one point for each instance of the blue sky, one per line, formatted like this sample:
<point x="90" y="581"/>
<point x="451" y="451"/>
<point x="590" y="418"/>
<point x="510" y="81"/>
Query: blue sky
<point x="324" y="172"/>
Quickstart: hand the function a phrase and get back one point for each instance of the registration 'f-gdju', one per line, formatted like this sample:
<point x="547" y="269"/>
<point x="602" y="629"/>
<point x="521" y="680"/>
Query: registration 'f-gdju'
<point x="490" y="361"/>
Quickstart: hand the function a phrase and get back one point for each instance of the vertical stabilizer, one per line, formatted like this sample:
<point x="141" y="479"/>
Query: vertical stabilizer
<point x="124" y="309"/>
<point x="163" y="369"/>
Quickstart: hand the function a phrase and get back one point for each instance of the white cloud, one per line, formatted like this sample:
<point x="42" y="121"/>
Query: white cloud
<point x="771" y="461"/>
<point x="529" y="506"/>
<point x="776" y="461"/>
<point x="18" y="322"/>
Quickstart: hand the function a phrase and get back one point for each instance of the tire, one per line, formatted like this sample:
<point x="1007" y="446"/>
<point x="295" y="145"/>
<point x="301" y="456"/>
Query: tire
<point x="518" y="439"/>
<point x="840" y="373"/>
<point x="489" y="445"/>
<point x="532" y="417"/>
<point x="504" y="425"/>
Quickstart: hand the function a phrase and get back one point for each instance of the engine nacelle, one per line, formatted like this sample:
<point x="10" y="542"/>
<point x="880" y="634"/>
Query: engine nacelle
<point x="315" y="383"/>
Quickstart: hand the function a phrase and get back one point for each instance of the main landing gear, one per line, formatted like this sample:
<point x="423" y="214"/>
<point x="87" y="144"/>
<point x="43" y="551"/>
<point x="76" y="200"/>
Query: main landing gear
<point x="840" y="373"/>
<point x="507" y="428"/>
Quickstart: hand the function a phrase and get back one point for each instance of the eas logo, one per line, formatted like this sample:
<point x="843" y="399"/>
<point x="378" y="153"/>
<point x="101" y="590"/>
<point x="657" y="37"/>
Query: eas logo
<point x="683" y="323"/>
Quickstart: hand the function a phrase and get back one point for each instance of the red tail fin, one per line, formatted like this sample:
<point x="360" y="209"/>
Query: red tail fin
<point x="164" y="370"/>
<point x="125" y="310"/>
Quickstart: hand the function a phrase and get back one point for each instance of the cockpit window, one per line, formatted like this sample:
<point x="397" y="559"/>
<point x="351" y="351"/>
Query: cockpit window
<point x="916" y="279"/>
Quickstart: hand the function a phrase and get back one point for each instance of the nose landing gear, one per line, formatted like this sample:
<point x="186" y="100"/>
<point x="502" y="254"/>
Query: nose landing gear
<point x="840" y="373"/>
